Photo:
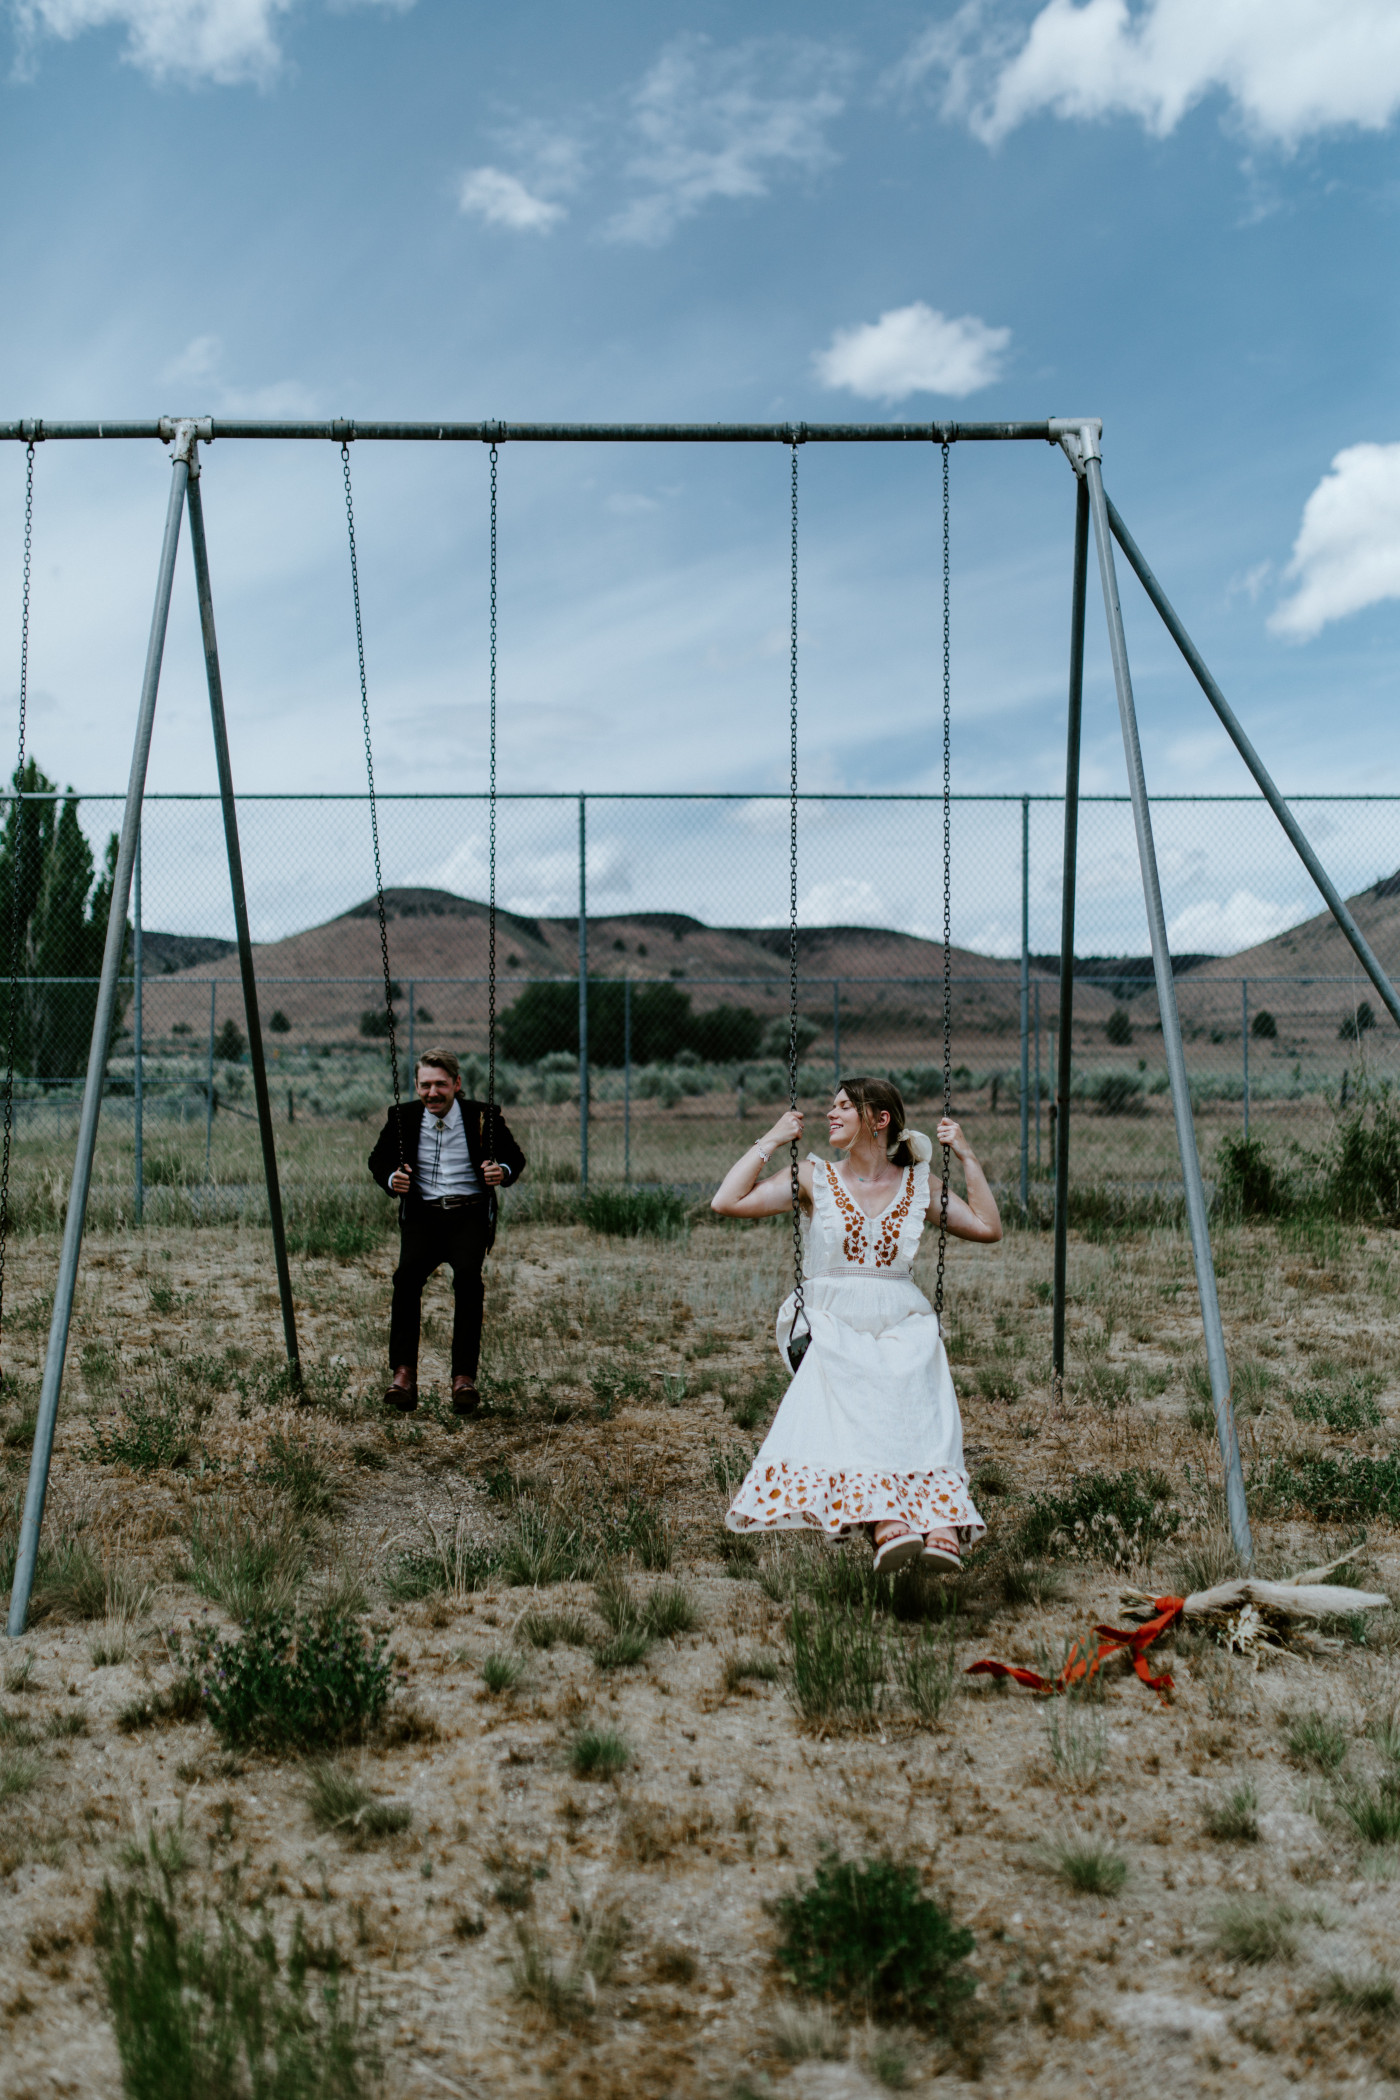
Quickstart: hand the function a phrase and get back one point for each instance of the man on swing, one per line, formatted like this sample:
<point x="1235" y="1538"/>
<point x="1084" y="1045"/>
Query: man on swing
<point x="447" y="1213"/>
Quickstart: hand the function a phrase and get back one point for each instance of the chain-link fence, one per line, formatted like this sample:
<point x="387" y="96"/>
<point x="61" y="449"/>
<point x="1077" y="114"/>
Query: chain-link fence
<point x="682" y="902"/>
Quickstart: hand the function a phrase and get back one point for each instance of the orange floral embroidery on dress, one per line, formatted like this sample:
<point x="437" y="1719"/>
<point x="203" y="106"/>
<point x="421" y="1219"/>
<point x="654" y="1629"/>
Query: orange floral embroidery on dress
<point x="777" y="1495"/>
<point x="892" y="1224"/>
<point x="853" y="1216"/>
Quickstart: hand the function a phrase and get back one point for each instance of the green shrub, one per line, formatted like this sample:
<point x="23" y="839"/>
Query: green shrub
<point x="1104" y="1516"/>
<point x="1346" y="1489"/>
<point x="153" y="1430"/>
<point x="836" y="1664"/>
<point x="1234" y="1819"/>
<point x="929" y="1671"/>
<point x="1249" y="1183"/>
<point x="864" y="1934"/>
<point x="297" y="1685"/>
<point x="1256" y="1930"/>
<point x="545" y="1546"/>
<point x="295" y="1471"/>
<point x="201" y="2006"/>
<point x="554" y="1629"/>
<point x="1118" y="1028"/>
<point x="598" y="1753"/>
<point x="252" y="1568"/>
<point x="1119" y="1094"/>
<point x="1373" y="1808"/>
<point x="633" y="1214"/>
<point x="445" y="1563"/>
<point x="1317" y="1741"/>
<point x="501" y="1673"/>
<point x="1361" y="1167"/>
<point x="339" y="1802"/>
<point x="1264" y="1028"/>
<point x="1090" y="1868"/>
<point x="1351" y="1409"/>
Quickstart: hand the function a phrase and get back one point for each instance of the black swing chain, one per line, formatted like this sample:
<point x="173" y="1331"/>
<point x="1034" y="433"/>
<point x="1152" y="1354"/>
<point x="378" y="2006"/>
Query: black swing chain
<point x="947" y="903"/>
<point x="16" y="876"/>
<point x="491" y="908"/>
<point x="797" y="1343"/>
<point x="373" y="806"/>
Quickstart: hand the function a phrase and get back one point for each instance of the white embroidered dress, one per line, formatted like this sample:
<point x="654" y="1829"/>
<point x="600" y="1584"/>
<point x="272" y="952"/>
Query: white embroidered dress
<point x="869" y="1428"/>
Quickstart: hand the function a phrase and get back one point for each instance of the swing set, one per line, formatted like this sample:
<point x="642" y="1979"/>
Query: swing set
<point x="1077" y="437"/>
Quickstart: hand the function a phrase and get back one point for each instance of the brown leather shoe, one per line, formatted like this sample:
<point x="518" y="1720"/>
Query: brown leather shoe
<point x="403" y="1393"/>
<point x="465" y="1397"/>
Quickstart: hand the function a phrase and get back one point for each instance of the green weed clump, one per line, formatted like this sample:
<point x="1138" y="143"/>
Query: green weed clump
<point x="1115" y="1517"/>
<point x="153" y="1430"/>
<point x="201" y="2005"/>
<point x="598" y="1753"/>
<point x="292" y="1685"/>
<point x="636" y="1214"/>
<point x="1373" y="1808"/>
<point x="252" y="1569"/>
<point x="1090" y="1868"/>
<point x="1255" y="1930"/>
<point x="837" y="1664"/>
<point x="1250" y="1183"/>
<point x="338" y="1801"/>
<point x="1316" y="1741"/>
<point x="337" y="1224"/>
<point x="1234" y="1819"/>
<point x="1347" y="1410"/>
<point x="864" y="1934"/>
<point x="1349" y="1488"/>
<point x="446" y="1563"/>
<point x="546" y="1546"/>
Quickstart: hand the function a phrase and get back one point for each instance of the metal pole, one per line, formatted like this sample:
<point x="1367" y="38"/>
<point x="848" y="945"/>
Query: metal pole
<point x="28" y="1548"/>
<point x="209" y="1088"/>
<point x="1196" y="1215"/>
<point x="1065" y="1044"/>
<point x="412" y="1010"/>
<point x="1244" y="1044"/>
<point x="1037" y="1079"/>
<point x="836" y="1031"/>
<point x="627" y="1078"/>
<point x="1025" y="1003"/>
<point x="583" y="991"/>
<point x="240" y="912"/>
<point x="1332" y="896"/>
<point x="137" y="1103"/>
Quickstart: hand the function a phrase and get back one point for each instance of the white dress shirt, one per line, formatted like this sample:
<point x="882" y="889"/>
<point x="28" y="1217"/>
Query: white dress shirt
<point x="444" y="1163"/>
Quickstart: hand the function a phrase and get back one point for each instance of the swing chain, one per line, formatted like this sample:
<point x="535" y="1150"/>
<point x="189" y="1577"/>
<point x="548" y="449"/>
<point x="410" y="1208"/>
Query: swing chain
<point x="16" y="872"/>
<point x="491" y="908"/>
<point x="947" y="902"/>
<point x="797" y="1343"/>
<point x="373" y="805"/>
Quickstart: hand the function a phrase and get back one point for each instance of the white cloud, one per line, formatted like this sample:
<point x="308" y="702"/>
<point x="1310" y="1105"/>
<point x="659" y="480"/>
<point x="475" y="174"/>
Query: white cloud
<point x="1213" y="928"/>
<point x="199" y="360"/>
<point x="226" y="42"/>
<point x="725" y="124"/>
<point x="540" y="884"/>
<point x="1289" y="68"/>
<point x="914" y="350"/>
<point x="503" y="200"/>
<point x="1347" y="553"/>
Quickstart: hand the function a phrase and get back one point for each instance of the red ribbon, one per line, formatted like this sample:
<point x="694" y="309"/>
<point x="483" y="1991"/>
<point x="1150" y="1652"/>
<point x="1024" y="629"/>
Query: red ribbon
<point x="1081" y="1663"/>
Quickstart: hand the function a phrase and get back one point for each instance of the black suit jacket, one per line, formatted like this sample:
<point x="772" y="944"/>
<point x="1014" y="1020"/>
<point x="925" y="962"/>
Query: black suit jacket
<point x="389" y="1154"/>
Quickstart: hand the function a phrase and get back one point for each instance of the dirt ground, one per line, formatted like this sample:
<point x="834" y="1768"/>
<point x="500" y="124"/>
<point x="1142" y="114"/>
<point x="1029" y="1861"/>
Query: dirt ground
<point x="615" y="1368"/>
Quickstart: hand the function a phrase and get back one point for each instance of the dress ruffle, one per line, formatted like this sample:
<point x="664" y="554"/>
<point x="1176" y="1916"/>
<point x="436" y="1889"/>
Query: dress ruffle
<point x="777" y="1495"/>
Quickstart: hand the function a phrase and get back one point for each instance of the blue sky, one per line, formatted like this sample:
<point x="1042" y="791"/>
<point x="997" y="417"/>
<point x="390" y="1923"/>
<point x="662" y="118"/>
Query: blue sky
<point x="1179" y="215"/>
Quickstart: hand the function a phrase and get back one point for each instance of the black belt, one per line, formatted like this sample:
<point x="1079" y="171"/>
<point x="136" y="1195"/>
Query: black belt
<point x="450" y="1202"/>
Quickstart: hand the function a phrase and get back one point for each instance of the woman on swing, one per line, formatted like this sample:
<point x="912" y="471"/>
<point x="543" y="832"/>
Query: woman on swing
<point x="869" y="1433"/>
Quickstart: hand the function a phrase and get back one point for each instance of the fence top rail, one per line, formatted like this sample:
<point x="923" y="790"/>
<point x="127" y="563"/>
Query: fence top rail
<point x="8" y="794"/>
<point x="1042" y="973"/>
<point x="341" y="430"/>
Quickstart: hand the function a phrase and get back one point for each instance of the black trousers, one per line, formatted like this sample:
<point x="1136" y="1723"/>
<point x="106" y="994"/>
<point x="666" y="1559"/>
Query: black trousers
<point x="427" y="1239"/>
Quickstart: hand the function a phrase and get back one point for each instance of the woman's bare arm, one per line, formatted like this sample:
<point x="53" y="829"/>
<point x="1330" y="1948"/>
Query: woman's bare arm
<point x="978" y="1218"/>
<point x="742" y="1194"/>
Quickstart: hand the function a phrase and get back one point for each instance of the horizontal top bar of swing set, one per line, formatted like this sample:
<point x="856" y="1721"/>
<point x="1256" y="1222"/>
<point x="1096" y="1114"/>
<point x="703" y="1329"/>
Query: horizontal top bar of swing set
<point x="633" y="795"/>
<point x="343" y="430"/>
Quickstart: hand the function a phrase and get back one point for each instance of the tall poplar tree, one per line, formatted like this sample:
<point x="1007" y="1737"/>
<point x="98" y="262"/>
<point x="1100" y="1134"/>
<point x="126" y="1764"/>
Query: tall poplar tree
<point x="62" y="928"/>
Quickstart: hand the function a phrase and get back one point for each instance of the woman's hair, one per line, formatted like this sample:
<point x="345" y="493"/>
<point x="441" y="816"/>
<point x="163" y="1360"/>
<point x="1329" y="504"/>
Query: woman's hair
<point x="870" y="1098"/>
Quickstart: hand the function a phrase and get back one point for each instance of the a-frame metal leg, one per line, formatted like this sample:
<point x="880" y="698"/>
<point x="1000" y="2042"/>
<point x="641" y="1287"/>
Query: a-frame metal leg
<point x="102" y="1020"/>
<point x="1196" y="1216"/>
<point x="1071" y="857"/>
<point x="240" y="911"/>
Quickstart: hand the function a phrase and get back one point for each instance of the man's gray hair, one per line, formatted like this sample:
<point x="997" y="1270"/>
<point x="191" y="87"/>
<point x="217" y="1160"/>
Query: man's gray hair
<point x="444" y="1062"/>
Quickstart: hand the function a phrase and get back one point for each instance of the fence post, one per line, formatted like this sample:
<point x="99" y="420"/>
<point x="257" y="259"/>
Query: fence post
<point x="627" y="1077"/>
<point x="1244" y="1046"/>
<point x="412" y="1013"/>
<point x="209" y="1087"/>
<point x="137" y="1103"/>
<point x="1037" y="1079"/>
<point x="1025" y="1002"/>
<point x="104" y="1015"/>
<point x="836" y="1030"/>
<point x="583" y="991"/>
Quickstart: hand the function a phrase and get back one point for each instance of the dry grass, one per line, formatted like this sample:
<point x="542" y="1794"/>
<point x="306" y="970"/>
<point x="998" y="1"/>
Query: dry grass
<point x="597" y="1718"/>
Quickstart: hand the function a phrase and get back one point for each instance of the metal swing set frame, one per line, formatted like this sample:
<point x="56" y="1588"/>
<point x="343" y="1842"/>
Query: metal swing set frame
<point x="1079" y="437"/>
